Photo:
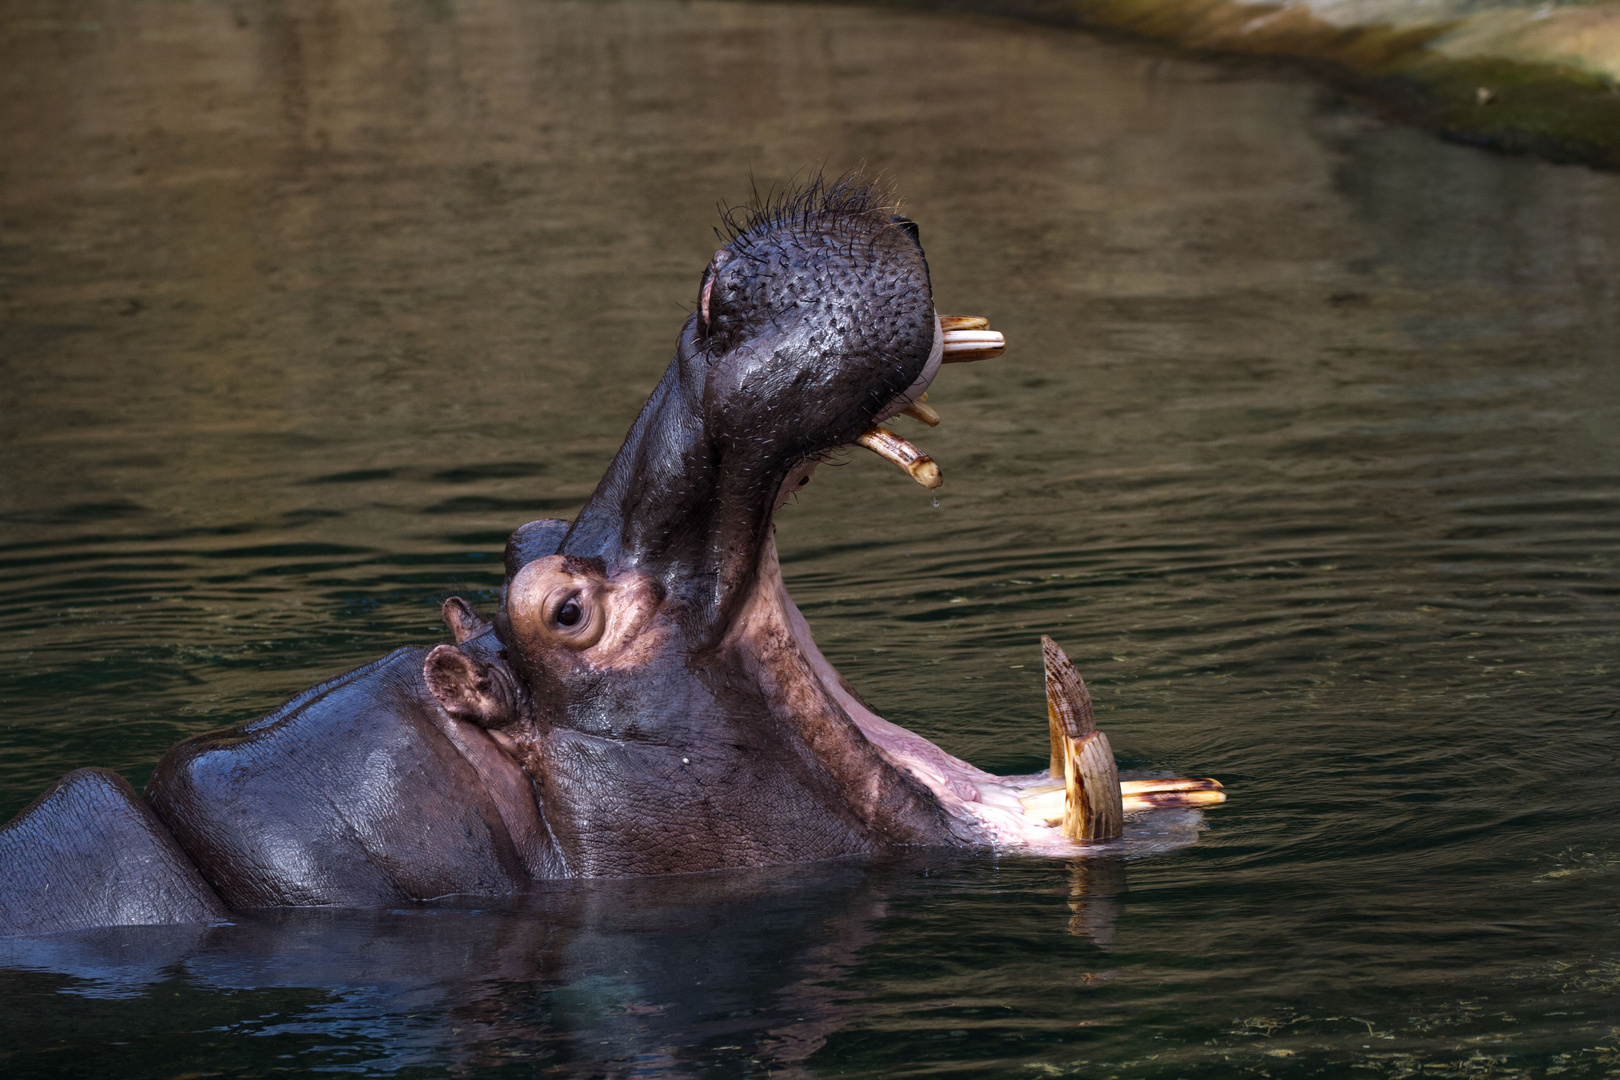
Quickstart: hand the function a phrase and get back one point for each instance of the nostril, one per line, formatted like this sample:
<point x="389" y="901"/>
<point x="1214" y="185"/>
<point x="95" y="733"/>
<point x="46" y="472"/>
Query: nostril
<point x="721" y="258"/>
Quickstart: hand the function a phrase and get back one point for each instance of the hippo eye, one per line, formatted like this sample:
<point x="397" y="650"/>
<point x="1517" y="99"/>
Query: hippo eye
<point x="573" y="616"/>
<point x="576" y="621"/>
<point x="555" y="602"/>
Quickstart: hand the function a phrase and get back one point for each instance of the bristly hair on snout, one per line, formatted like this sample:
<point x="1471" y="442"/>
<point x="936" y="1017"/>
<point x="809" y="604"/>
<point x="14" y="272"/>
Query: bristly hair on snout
<point x="807" y="207"/>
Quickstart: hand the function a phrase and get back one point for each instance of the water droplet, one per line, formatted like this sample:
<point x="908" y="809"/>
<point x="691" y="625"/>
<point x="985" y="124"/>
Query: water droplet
<point x="936" y="502"/>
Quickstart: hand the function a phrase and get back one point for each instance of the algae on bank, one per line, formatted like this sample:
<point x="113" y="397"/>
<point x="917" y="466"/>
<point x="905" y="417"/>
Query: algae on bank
<point x="1538" y="77"/>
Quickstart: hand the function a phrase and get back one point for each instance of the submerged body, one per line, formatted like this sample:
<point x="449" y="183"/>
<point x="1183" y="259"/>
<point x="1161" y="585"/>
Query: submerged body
<point x="647" y="700"/>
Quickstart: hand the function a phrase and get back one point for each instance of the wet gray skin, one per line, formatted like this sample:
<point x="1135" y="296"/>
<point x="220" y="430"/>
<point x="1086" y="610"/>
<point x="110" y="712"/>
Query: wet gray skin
<point x="646" y="701"/>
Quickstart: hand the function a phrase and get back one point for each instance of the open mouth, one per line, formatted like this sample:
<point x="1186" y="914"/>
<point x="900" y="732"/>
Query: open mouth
<point x="1079" y="798"/>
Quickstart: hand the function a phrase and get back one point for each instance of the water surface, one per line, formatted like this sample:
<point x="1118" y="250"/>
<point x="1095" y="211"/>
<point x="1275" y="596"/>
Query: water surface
<point x="1307" y="449"/>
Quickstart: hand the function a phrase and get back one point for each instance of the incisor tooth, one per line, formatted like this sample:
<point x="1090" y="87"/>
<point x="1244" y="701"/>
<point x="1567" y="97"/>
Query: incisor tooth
<point x="918" y="411"/>
<point x="891" y="447"/>
<point x="966" y="346"/>
<point x="1180" y="783"/>
<point x="1169" y="800"/>
<point x="948" y="323"/>
<point x="1046" y="801"/>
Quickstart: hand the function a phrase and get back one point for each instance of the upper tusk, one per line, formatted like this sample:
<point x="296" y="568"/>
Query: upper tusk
<point x="918" y="411"/>
<point x="965" y="346"/>
<point x="891" y="447"/>
<point x="969" y="337"/>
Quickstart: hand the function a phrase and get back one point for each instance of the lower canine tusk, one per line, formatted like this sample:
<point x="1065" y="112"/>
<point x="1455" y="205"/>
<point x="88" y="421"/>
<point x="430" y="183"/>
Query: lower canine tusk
<point x="891" y="447"/>
<point x="1093" y="805"/>
<point x="1090" y="804"/>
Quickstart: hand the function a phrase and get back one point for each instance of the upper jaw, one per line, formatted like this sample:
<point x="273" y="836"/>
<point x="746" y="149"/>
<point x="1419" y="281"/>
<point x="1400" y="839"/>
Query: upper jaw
<point x="958" y="339"/>
<point x="930" y="371"/>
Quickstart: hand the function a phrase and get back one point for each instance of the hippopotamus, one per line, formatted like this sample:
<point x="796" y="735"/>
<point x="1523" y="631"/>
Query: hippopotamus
<point x="646" y="699"/>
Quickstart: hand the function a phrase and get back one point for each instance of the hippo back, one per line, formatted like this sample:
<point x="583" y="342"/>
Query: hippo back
<point x="89" y="852"/>
<point x="351" y="794"/>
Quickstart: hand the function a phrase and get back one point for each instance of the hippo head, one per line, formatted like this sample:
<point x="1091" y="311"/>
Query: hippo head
<point x="812" y="323"/>
<point x="654" y="680"/>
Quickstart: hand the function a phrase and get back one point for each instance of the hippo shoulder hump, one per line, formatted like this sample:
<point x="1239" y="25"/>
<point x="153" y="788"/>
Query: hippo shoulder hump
<point x="346" y="795"/>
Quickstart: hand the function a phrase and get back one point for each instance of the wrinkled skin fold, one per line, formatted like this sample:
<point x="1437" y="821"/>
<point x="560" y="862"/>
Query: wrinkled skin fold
<point x="647" y="700"/>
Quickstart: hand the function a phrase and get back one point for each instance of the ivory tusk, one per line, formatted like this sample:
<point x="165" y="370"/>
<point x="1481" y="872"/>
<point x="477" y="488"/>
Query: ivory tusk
<point x="1169" y="800"/>
<point x="1180" y="783"/>
<point x="1046" y="801"/>
<point x="1093" y="810"/>
<point x="1089" y="806"/>
<point x="918" y="411"/>
<point x="1068" y="703"/>
<point x="891" y="447"/>
<point x="969" y="338"/>
<point x="966" y="346"/>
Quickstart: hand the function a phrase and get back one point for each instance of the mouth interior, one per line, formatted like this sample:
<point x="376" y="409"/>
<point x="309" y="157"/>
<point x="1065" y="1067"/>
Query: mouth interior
<point x="991" y="803"/>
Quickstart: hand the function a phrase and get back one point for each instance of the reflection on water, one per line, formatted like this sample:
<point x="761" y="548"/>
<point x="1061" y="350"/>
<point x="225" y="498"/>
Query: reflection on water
<point x="1306" y="450"/>
<point x="643" y="973"/>
<point x="734" y="972"/>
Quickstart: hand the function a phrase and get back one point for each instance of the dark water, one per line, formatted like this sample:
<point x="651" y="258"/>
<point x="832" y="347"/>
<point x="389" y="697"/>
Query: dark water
<point x="1307" y="447"/>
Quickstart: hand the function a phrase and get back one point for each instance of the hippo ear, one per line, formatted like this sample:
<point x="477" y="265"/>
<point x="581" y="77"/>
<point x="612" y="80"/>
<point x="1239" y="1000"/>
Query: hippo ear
<point x="468" y="690"/>
<point x="462" y="620"/>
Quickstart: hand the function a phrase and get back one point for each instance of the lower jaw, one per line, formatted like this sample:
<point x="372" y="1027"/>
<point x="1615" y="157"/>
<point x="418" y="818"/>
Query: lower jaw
<point x="984" y="806"/>
<point x="1002" y="812"/>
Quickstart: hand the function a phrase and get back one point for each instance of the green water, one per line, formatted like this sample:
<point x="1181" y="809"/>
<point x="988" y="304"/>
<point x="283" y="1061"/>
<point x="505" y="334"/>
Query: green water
<point x="1307" y="448"/>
